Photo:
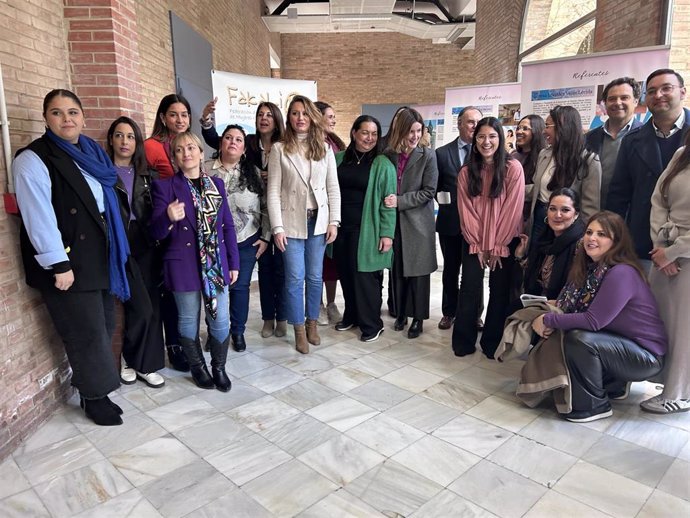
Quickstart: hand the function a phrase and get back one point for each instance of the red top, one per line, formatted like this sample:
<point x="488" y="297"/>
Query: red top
<point x="490" y="224"/>
<point x="403" y="159"/>
<point x="157" y="158"/>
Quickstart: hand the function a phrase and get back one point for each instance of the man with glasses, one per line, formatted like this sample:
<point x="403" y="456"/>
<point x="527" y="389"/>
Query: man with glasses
<point x="644" y="154"/>
<point x="620" y="97"/>
<point x="450" y="158"/>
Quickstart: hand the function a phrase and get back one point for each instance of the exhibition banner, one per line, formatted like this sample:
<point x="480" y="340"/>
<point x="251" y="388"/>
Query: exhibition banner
<point x="239" y="95"/>
<point x="433" y="121"/>
<point x="500" y="100"/>
<point x="579" y="81"/>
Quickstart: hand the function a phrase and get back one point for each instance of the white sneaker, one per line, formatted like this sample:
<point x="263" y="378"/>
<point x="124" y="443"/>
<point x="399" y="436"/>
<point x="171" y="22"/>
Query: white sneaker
<point x="128" y="376"/>
<point x="323" y="316"/>
<point x="659" y="405"/>
<point x="333" y="314"/>
<point x="152" y="379"/>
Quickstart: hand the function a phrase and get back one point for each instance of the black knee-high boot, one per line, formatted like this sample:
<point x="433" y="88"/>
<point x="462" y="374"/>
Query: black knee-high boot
<point x="197" y="363"/>
<point x="219" y="354"/>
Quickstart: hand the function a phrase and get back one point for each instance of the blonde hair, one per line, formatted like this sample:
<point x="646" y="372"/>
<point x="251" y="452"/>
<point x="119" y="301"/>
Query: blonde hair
<point x="401" y="127"/>
<point x="188" y="136"/>
<point x="316" y="137"/>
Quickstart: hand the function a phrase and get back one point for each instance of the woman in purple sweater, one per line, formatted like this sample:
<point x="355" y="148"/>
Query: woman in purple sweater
<point x="614" y="334"/>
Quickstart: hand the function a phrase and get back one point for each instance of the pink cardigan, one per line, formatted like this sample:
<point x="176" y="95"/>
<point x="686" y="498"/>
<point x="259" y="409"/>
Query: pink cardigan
<point x="490" y="224"/>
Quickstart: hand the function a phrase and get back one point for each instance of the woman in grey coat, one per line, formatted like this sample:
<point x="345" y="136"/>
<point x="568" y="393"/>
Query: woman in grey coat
<point x="414" y="253"/>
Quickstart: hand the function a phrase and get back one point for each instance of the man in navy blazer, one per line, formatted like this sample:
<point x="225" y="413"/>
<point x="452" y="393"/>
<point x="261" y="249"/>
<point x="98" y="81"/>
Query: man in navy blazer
<point x="620" y="97"/>
<point x="449" y="159"/>
<point x="644" y="154"/>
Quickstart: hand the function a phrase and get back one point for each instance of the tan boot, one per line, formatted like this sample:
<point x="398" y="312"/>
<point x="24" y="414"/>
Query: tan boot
<point x="312" y="332"/>
<point x="301" y="343"/>
<point x="281" y="328"/>
<point x="267" y="330"/>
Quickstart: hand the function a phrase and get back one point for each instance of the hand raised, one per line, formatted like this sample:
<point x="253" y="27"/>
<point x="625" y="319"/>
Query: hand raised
<point x="176" y="211"/>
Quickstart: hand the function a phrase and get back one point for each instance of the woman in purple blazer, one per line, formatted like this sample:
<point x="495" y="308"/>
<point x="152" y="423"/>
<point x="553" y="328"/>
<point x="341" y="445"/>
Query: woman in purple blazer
<point x="192" y="220"/>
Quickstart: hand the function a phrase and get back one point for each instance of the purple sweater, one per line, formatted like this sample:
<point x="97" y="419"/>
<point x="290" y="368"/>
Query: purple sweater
<point x="624" y="305"/>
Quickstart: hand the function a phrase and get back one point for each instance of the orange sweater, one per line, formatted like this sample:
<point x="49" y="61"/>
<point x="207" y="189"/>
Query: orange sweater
<point x="157" y="158"/>
<point x="490" y="224"/>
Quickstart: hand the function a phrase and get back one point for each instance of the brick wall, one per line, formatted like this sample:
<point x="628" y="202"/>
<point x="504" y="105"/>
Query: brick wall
<point x="680" y="40"/>
<point x="374" y="68"/>
<point x="33" y="54"/>
<point x="623" y="24"/>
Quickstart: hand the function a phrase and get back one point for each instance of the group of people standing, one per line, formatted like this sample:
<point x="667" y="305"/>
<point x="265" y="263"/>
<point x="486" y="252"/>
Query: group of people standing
<point x="154" y="224"/>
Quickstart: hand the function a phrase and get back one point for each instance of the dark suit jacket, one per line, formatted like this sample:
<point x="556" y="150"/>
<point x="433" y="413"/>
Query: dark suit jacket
<point x="448" y="162"/>
<point x="638" y="167"/>
<point x="181" y="269"/>
<point x="594" y="139"/>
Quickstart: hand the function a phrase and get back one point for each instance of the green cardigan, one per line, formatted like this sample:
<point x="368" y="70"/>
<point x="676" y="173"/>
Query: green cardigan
<point x="377" y="220"/>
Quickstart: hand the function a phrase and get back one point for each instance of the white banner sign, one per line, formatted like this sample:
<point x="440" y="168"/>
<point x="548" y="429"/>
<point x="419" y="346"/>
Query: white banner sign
<point x="500" y="100"/>
<point x="239" y="95"/>
<point x="580" y="81"/>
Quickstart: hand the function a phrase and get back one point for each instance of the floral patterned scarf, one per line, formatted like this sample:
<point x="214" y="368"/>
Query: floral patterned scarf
<point x="576" y="299"/>
<point x="207" y="204"/>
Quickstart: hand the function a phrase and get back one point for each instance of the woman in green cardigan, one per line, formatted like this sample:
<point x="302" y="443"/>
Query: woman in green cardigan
<point x="365" y="239"/>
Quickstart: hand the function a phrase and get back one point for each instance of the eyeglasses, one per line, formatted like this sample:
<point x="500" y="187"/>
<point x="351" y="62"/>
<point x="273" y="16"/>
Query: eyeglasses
<point x="663" y="90"/>
<point x="524" y="128"/>
<point x="549" y="125"/>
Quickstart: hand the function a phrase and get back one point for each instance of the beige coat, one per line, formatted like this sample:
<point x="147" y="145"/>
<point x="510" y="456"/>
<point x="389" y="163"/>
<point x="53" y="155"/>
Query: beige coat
<point x="589" y="189"/>
<point x="288" y="191"/>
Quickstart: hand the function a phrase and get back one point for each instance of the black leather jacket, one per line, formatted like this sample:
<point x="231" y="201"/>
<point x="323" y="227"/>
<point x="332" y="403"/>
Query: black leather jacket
<point x="142" y="206"/>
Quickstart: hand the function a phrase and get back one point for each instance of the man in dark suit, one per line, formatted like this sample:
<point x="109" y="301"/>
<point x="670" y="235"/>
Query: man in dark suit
<point x="644" y="154"/>
<point x="620" y="97"/>
<point x="450" y="159"/>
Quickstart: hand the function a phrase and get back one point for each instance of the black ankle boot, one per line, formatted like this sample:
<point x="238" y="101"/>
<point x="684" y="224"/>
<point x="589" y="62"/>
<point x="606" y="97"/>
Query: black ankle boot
<point x="415" y="329"/>
<point x="177" y="358"/>
<point x="238" y="343"/>
<point x="400" y="323"/>
<point x="197" y="363"/>
<point x="219" y="354"/>
<point x="101" y="411"/>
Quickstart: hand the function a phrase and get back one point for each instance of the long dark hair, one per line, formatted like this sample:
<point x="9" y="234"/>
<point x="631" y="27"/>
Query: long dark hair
<point x="249" y="178"/>
<point x="621" y="252"/>
<point x="569" y="153"/>
<point x="677" y="166"/>
<point x="278" y="121"/>
<point x="476" y="161"/>
<point x="537" y="143"/>
<point x="139" y="157"/>
<point x="160" y="131"/>
<point x="323" y="106"/>
<point x="349" y="156"/>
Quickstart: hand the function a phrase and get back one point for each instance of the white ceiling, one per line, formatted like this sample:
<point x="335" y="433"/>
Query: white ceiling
<point x="429" y="21"/>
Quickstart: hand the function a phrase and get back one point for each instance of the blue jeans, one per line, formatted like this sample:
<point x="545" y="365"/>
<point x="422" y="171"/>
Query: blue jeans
<point x="188" y="309"/>
<point x="239" y="292"/>
<point x="303" y="260"/>
<point x="272" y="284"/>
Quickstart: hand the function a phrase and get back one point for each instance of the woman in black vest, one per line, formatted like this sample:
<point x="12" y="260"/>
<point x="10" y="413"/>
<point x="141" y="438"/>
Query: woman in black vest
<point x="74" y="246"/>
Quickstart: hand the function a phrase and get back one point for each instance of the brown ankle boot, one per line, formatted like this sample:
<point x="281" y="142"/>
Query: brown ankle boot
<point x="312" y="332"/>
<point x="301" y="343"/>
<point x="267" y="329"/>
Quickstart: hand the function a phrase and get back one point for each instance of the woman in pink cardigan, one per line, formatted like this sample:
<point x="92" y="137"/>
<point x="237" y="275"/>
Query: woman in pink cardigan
<point x="491" y="193"/>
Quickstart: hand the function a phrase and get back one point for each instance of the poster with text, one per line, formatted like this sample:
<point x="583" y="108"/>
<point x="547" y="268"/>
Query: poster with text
<point x="433" y="121"/>
<point x="579" y="81"/>
<point x="499" y="100"/>
<point x="239" y="95"/>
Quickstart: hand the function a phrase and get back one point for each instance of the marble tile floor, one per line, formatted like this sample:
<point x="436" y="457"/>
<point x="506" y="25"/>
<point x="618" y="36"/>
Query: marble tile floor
<point x="394" y="428"/>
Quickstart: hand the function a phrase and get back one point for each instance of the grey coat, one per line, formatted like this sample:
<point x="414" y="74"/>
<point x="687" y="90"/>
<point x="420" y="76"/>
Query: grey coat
<point x="416" y="212"/>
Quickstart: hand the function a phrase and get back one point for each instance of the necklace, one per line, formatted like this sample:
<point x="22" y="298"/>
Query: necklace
<point x="359" y="158"/>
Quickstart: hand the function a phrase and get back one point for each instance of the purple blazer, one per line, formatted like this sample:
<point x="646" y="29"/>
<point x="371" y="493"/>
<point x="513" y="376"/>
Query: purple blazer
<point x="181" y="268"/>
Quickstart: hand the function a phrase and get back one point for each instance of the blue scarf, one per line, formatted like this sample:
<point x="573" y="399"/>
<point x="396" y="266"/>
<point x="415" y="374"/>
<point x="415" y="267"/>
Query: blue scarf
<point x="91" y="158"/>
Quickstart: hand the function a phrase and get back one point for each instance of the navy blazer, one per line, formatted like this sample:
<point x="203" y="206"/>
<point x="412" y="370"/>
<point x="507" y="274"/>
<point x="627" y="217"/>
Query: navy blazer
<point x="448" y="163"/>
<point x="181" y="268"/>
<point x="594" y="139"/>
<point x="638" y="167"/>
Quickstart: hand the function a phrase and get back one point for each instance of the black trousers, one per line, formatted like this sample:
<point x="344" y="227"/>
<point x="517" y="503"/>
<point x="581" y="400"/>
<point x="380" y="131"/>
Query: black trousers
<point x="168" y="310"/>
<point x="471" y="291"/>
<point x="601" y="363"/>
<point x="410" y="294"/>
<point x="85" y="320"/>
<point x="142" y="344"/>
<point x="361" y="290"/>
<point x="451" y="249"/>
